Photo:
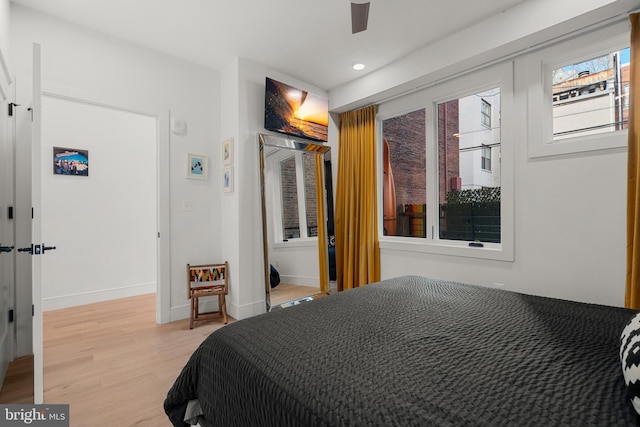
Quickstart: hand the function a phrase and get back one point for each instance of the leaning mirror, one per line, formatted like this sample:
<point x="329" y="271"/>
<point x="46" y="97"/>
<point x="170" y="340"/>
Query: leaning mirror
<point x="297" y="220"/>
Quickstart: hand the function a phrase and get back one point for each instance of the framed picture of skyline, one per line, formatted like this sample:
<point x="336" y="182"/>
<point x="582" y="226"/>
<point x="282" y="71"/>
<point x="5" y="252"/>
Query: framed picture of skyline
<point x="70" y="161"/>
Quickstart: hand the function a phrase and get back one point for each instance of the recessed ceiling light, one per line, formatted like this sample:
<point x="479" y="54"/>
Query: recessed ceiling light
<point x="358" y="66"/>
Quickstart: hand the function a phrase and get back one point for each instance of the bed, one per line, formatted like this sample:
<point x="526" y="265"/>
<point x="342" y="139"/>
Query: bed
<point x="412" y="351"/>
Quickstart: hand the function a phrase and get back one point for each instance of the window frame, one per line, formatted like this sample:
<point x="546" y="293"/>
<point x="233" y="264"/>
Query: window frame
<point x="278" y="238"/>
<point x="540" y="142"/>
<point x="483" y="115"/>
<point x="627" y="94"/>
<point x="500" y="75"/>
<point x="487" y="159"/>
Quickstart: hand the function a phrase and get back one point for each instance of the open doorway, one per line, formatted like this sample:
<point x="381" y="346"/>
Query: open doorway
<point x="99" y="202"/>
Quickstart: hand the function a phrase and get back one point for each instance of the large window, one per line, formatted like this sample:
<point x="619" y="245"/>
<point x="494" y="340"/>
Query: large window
<point x="469" y="197"/>
<point x="405" y="176"/>
<point x="445" y="185"/>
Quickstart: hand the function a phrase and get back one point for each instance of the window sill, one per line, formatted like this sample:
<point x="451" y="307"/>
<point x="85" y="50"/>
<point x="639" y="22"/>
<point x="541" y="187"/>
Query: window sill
<point x="579" y="144"/>
<point x="490" y="251"/>
<point x="297" y="243"/>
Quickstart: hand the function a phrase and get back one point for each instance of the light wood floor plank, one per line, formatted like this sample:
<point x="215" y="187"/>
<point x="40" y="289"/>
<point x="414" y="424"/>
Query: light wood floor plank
<point x="285" y="292"/>
<point x="18" y="383"/>
<point x="113" y="364"/>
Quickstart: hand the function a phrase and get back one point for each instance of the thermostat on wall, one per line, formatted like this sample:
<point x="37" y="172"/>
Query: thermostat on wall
<point x="178" y="126"/>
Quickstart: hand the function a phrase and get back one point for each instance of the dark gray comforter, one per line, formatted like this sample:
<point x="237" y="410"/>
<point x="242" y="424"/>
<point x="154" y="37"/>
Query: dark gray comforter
<point x="413" y="351"/>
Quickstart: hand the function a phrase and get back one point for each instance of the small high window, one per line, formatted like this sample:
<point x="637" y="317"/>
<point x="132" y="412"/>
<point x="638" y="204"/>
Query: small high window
<point x="577" y="93"/>
<point x="588" y="96"/>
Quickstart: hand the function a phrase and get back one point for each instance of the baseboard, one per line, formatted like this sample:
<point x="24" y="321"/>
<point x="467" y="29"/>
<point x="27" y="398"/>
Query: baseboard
<point x="300" y="280"/>
<point x="247" y="310"/>
<point x="82" y="298"/>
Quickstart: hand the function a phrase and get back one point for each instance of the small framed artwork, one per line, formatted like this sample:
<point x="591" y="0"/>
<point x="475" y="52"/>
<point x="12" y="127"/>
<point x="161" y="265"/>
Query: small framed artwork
<point x="227" y="179"/>
<point x="197" y="166"/>
<point x="70" y="161"/>
<point x="227" y="151"/>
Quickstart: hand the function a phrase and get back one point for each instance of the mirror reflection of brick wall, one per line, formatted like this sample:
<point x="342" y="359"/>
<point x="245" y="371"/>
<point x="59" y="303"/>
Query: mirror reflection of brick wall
<point x="289" y="186"/>
<point x="290" y="197"/>
<point x="310" y="194"/>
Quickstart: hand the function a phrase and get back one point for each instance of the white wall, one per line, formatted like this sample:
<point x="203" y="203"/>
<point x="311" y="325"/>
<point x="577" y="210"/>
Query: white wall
<point x="297" y="263"/>
<point x="4" y="26"/>
<point x="569" y="210"/>
<point x="243" y="84"/>
<point x="104" y="224"/>
<point x="81" y="64"/>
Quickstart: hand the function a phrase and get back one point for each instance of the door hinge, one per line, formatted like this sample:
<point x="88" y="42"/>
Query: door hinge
<point x="33" y="310"/>
<point x="11" y="315"/>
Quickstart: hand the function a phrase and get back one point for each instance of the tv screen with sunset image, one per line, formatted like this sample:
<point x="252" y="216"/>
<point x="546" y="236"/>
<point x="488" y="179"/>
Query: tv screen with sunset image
<point x="295" y="112"/>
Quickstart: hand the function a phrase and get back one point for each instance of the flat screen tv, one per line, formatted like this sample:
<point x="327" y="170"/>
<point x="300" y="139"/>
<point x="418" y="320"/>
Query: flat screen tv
<point x="295" y="112"/>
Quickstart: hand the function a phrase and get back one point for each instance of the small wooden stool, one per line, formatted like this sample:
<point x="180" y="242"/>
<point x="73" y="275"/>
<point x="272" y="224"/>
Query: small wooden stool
<point x="204" y="281"/>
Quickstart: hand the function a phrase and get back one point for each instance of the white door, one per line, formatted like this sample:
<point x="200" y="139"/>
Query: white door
<point x="38" y="248"/>
<point x="7" y="230"/>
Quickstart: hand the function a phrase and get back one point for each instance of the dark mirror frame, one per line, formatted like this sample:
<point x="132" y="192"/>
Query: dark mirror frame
<point x="319" y="149"/>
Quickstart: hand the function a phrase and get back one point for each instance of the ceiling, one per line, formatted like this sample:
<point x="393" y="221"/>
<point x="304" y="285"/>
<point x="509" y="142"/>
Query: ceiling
<point x="308" y="40"/>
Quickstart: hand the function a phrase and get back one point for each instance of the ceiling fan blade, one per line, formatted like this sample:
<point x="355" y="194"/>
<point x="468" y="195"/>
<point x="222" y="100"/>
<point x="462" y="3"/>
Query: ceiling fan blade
<point x="359" y="17"/>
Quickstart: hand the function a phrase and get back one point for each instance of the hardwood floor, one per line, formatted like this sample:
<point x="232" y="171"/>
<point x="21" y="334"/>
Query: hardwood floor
<point x="18" y="383"/>
<point x="285" y="292"/>
<point x="113" y="364"/>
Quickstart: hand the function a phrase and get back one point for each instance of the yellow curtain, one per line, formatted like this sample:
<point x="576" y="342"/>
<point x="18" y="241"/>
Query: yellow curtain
<point x="357" y="247"/>
<point x="322" y="226"/>
<point x="632" y="295"/>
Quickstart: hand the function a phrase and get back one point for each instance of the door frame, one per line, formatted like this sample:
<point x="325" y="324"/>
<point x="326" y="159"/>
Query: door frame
<point x="163" y="211"/>
<point x="163" y="290"/>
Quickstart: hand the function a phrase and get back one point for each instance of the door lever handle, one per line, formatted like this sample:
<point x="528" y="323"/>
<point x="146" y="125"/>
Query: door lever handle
<point x="37" y="249"/>
<point x="6" y="248"/>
